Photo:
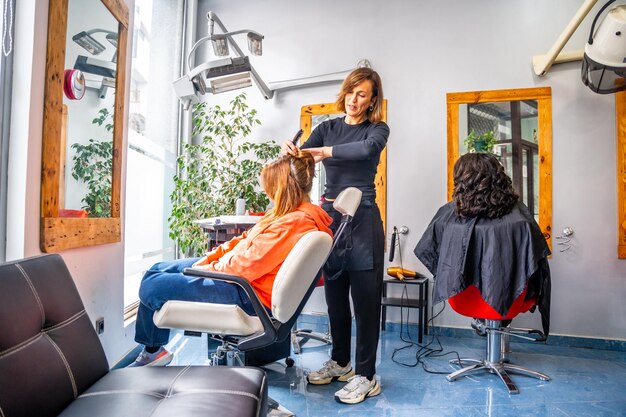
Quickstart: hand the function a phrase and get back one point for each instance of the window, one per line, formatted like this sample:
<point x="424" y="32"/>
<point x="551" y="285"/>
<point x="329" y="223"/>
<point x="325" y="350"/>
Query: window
<point x="152" y="139"/>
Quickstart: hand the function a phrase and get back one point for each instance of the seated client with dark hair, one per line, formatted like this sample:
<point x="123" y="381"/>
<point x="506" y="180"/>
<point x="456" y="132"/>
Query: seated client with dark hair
<point x="487" y="238"/>
<point x="256" y="256"/>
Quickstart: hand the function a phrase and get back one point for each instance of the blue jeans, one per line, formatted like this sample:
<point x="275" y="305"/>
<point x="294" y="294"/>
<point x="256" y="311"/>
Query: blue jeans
<point x="165" y="281"/>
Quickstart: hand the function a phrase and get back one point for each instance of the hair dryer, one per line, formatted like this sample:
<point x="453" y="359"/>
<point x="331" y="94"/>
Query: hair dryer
<point x="401" y="273"/>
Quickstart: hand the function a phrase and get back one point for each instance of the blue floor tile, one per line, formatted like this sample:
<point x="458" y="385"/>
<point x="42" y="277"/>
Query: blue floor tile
<point x="584" y="382"/>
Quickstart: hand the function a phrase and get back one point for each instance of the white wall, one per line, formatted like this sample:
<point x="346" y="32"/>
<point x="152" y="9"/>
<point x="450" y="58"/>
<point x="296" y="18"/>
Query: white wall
<point x="424" y="50"/>
<point x="97" y="271"/>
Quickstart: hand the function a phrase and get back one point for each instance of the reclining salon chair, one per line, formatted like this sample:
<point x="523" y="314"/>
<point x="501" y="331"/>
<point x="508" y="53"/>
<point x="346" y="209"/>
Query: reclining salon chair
<point x="470" y="303"/>
<point x="240" y="333"/>
<point x="52" y="362"/>
<point x="300" y="336"/>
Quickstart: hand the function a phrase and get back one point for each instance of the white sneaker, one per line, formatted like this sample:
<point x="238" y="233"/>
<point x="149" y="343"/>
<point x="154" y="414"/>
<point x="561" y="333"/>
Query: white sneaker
<point x="357" y="389"/>
<point x="330" y="371"/>
<point x="159" y="358"/>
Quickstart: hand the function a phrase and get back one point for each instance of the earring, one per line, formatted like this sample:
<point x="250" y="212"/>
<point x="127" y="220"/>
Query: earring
<point x="371" y="107"/>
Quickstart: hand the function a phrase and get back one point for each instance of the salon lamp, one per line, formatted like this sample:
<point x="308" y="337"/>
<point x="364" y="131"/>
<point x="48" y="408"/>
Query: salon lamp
<point x="604" y="60"/>
<point x="90" y="43"/>
<point x="222" y="74"/>
<point x="101" y="68"/>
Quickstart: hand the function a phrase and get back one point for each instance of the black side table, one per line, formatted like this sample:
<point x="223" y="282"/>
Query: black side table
<point x="420" y="303"/>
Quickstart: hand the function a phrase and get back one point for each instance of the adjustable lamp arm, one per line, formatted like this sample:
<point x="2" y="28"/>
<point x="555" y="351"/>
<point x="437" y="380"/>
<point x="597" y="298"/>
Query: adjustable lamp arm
<point x="212" y="17"/>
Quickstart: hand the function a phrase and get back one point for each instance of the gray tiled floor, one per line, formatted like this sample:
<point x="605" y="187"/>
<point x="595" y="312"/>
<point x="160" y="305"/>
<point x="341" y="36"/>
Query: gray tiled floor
<point x="585" y="382"/>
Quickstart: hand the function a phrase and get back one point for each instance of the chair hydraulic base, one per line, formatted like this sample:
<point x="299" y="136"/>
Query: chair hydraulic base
<point x="300" y="336"/>
<point x="494" y="362"/>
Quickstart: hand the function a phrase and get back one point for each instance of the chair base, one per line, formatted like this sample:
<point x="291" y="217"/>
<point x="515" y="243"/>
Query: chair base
<point x="499" y="368"/>
<point x="300" y="336"/>
<point x="229" y="354"/>
<point x="497" y="360"/>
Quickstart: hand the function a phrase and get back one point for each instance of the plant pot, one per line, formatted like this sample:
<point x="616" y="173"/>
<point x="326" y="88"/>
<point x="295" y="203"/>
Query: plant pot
<point x="481" y="145"/>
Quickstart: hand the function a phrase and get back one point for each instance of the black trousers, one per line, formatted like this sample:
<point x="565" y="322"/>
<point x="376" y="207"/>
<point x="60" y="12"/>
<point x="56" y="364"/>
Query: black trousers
<point x="366" y="288"/>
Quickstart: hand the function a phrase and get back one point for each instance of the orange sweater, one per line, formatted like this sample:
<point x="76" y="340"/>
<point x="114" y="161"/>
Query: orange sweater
<point x="258" y="253"/>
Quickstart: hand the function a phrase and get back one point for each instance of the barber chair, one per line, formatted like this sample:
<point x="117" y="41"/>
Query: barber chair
<point x="300" y="336"/>
<point x="470" y="303"/>
<point x="52" y="362"/>
<point x="240" y="333"/>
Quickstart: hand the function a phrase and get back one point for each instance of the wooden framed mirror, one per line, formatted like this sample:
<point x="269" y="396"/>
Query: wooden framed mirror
<point x="314" y="114"/>
<point x="620" y="115"/>
<point x="90" y="35"/>
<point x="522" y="122"/>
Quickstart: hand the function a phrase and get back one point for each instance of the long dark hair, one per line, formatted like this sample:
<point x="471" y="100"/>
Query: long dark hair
<point x="481" y="187"/>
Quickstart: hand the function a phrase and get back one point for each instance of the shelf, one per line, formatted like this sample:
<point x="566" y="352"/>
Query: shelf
<point x="402" y="302"/>
<point x="412" y="281"/>
<point x="420" y="301"/>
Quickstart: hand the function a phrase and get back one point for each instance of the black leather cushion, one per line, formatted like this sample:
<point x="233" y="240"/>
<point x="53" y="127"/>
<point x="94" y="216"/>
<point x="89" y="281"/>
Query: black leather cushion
<point x="49" y="352"/>
<point x="51" y="358"/>
<point x="175" y="391"/>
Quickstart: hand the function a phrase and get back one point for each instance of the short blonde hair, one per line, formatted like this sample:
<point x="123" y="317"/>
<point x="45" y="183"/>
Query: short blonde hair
<point x="355" y="78"/>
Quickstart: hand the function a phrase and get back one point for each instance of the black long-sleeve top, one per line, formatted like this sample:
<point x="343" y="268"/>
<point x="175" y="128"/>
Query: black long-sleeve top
<point x="356" y="153"/>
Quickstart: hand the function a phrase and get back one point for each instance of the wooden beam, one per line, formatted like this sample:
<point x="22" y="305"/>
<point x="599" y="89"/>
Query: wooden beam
<point x="542" y="63"/>
<point x="620" y="116"/>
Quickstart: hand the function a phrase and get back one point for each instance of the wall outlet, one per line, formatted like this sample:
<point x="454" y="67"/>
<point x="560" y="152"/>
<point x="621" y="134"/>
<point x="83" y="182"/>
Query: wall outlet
<point x="100" y="325"/>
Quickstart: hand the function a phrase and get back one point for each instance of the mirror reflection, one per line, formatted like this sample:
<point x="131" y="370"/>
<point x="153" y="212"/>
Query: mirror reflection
<point x="320" y="174"/>
<point x="87" y="145"/>
<point x="507" y="129"/>
<point x="516" y="126"/>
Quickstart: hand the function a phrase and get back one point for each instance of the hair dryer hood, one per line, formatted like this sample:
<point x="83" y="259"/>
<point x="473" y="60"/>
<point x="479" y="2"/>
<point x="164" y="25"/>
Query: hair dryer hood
<point x="604" y="60"/>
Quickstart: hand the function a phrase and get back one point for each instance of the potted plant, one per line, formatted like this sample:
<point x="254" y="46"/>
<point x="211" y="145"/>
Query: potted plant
<point x="93" y="165"/>
<point x="216" y="170"/>
<point x="483" y="142"/>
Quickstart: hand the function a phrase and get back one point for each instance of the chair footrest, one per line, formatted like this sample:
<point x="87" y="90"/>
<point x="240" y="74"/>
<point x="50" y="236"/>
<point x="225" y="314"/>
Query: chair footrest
<point x="228" y="319"/>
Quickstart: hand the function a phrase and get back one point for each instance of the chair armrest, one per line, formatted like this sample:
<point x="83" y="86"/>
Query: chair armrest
<point x="259" y="308"/>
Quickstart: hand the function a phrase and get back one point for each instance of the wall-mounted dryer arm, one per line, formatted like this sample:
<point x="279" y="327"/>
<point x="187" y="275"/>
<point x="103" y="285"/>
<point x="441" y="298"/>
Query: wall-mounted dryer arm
<point x="542" y="63"/>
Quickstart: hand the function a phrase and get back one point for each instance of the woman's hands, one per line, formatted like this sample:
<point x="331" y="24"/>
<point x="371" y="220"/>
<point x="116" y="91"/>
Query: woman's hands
<point x="288" y="148"/>
<point x="319" y="154"/>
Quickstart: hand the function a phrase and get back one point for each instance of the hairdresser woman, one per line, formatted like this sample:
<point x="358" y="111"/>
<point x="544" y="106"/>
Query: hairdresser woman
<point x="350" y="148"/>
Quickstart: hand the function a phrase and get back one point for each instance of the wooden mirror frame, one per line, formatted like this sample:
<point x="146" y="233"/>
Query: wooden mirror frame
<point x="380" y="181"/>
<point x="56" y="233"/>
<point x="620" y="116"/>
<point x="543" y="96"/>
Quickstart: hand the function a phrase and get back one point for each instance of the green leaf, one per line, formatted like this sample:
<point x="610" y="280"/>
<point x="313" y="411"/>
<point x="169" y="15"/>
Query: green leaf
<point x="214" y="173"/>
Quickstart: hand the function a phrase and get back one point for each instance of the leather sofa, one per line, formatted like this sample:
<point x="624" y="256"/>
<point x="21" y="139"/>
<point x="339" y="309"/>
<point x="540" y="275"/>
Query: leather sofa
<point x="52" y="362"/>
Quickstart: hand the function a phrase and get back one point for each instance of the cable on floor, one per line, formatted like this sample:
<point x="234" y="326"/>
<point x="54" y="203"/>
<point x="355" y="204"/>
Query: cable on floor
<point x="433" y="348"/>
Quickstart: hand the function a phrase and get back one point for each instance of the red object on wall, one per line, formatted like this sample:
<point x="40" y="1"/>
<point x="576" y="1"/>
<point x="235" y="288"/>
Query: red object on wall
<point x="82" y="214"/>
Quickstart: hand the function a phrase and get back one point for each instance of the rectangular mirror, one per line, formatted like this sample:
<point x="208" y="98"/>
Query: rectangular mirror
<point x="514" y="125"/>
<point x="83" y="123"/>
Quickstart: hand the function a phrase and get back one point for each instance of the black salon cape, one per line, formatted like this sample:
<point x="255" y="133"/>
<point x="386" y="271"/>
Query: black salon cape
<point x="499" y="256"/>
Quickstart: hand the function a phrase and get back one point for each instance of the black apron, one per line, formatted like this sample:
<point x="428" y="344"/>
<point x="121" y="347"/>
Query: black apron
<point x="361" y="245"/>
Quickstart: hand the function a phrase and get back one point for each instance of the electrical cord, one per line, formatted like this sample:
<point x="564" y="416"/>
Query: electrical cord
<point x="423" y="350"/>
